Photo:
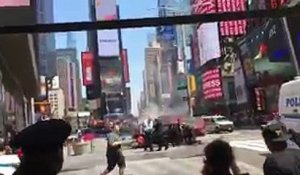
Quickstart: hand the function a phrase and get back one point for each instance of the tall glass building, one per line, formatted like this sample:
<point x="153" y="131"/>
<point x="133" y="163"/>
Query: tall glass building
<point x="46" y="50"/>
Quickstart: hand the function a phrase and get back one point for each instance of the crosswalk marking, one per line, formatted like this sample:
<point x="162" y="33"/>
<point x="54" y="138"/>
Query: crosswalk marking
<point x="256" y="145"/>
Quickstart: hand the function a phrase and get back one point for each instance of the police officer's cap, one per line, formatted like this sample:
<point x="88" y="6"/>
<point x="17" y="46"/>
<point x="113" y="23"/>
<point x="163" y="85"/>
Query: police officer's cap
<point x="42" y="136"/>
<point x="276" y="132"/>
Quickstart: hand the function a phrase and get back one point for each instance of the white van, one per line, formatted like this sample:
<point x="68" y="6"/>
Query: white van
<point x="289" y="104"/>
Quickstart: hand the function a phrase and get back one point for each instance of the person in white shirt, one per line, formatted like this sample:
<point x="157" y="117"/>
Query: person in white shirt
<point x="148" y="130"/>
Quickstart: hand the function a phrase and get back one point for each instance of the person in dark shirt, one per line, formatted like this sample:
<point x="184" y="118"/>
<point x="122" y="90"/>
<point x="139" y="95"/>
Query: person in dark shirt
<point x="42" y="147"/>
<point x="114" y="152"/>
<point x="282" y="160"/>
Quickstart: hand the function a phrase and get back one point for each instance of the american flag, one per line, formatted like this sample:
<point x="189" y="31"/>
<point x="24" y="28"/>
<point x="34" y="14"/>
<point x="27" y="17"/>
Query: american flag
<point x="204" y="6"/>
<point x="236" y="27"/>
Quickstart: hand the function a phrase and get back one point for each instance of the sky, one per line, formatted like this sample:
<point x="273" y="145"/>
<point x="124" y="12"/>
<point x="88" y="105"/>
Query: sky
<point x="135" y="40"/>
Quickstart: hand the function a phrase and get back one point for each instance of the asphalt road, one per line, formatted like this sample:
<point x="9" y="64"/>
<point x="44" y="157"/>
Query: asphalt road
<point x="183" y="160"/>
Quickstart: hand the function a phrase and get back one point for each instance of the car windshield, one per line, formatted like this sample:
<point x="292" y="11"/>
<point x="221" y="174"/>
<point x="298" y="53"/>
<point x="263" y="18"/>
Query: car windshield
<point x="222" y="119"/>
<point x="206" y="69"/>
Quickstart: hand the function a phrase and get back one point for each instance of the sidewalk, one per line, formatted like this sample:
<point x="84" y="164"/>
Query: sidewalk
<point x="87" y="160"/>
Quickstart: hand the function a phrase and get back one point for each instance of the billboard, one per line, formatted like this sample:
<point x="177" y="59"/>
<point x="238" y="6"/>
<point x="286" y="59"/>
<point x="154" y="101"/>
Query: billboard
<point x="204" y="6"/>
<point x="14" y="3"/>
<point x="239" y="82"/>
<point x="87" y="60"/>
<point x="277" y="47"/>
<point x="208" y="42"/>
<point x="195" y="52"/>
<point x="111" y="75"/>
<point x="108" y="40"/>
<point x="166" y="33"/>
<point x="128" y="97"/>
<point x="124" y="58"/>
<point x="236" y="27"/>
<point x="212" y="84"/>
<point x="230" y="53"/>
<point x="275" y="4"/>
<point x="106" y="10"/>
<point x="108" y="43"/>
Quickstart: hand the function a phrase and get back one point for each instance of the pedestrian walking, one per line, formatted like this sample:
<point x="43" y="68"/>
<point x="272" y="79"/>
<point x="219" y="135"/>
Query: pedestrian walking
<point x="114" y="152"/>
<point x="282" y="160"/>
<point x="219" y="159"/>
<point x="42" y="147"/>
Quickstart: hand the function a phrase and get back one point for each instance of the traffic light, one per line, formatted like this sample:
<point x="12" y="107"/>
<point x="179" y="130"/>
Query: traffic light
<point x="42" y="107"/>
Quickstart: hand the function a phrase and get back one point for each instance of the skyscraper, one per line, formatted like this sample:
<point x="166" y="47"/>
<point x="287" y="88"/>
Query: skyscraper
<point x="72" y="44"/>
<point x="46" y="46"/>
<point x="67" y="65"/>
<point x="71" y="41"/>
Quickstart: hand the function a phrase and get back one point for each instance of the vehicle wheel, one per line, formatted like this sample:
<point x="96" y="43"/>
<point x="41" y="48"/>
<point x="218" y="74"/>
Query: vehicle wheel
<point x="217" y="130"/>
<point x="230" y="130"/>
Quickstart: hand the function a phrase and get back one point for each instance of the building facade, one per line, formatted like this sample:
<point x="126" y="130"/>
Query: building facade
<point x="19" y="77"/>
<point x="57" y="103"/>
<point x="46" y="47"/>
<point x="68" y="77"/>
<point x="152" y="55"/>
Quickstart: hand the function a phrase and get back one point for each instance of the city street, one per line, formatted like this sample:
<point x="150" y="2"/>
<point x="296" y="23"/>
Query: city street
<point x="184" y="160"/>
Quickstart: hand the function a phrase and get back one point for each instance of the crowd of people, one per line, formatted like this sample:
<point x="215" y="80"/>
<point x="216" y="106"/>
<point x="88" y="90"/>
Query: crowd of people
<point x="154" y="132"/>
<point x="42" y="145"/>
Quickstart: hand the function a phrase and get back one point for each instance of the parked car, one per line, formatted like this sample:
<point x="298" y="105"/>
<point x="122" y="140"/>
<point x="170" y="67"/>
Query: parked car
<point x="218" y="123"/>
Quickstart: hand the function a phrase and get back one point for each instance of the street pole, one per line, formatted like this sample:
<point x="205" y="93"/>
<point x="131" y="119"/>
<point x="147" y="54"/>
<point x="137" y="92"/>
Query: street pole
<point x="292" y="48"/>
<point x="78" y="120"/>
<point x="183" y="33"/>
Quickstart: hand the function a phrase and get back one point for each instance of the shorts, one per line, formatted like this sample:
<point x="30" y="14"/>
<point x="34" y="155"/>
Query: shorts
<point x="113" y="160"/>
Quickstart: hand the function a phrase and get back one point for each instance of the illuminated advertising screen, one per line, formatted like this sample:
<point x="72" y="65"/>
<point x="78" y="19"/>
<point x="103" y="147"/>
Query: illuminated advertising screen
<point x="236" y="27"/>
<point x="14" y="3"/>
<point x="212" y="84"/>
<point x="275" y="4"/>
<point x="204" y="6"/>
<point x="125" y="65"/>
<point x="106" y="10"/>
<point x="111" y="75"/>
<point x="276" y="44"/>
<point x="108" y="43"/>
<point x="208" y="42"/>
<point x="108" y="40"/>
<point x="239" y="82"/>
<point x="87" y="60"/>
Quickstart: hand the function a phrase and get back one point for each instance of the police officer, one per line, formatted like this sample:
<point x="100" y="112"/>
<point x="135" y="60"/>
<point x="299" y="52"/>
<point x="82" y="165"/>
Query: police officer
<point x="282" y="160"/>
<point x="159" y="135"/>
<point x="42" y="147"/>
<point x="114" y="153"/>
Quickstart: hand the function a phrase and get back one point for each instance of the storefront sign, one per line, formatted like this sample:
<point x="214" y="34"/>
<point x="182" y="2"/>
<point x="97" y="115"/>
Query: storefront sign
<point x="212" y="84"/>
